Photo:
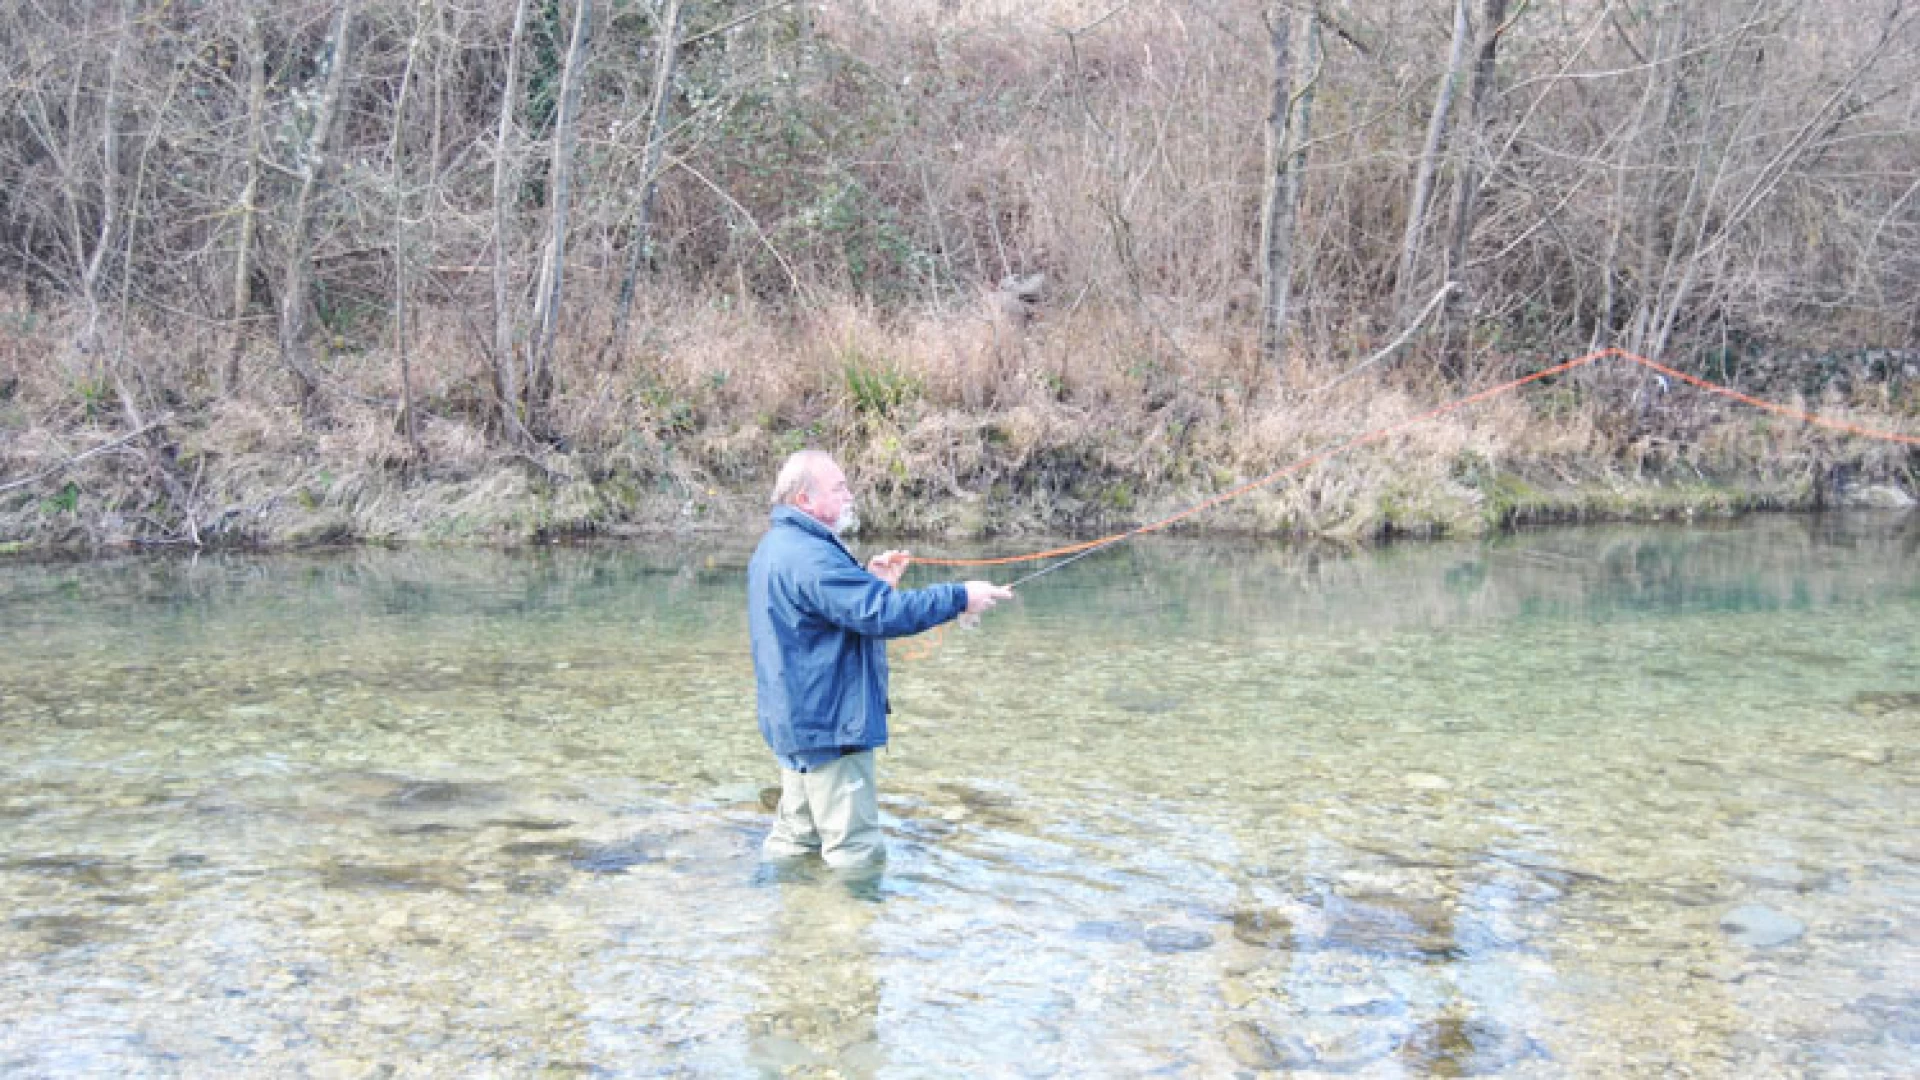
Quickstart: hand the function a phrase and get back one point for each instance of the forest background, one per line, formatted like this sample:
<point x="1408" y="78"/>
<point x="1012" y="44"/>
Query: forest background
<point x="483" y="270"/>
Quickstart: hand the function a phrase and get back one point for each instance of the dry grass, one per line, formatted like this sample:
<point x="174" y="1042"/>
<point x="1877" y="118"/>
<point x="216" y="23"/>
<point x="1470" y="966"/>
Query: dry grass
<point x="950" y="422"/>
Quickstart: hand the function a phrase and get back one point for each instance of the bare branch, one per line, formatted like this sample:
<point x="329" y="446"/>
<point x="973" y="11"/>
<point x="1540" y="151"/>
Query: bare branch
<point x="55" y="470"/>
<point x="1397" y="343"/>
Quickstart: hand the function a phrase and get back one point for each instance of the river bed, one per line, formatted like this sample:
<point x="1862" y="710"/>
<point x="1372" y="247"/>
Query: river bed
<point x="1601" y="802"/>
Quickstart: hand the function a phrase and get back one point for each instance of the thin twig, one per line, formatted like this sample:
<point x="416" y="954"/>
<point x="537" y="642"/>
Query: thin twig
<point x="793" y="279"/>
<point x="747" y="18"/>
<point x="1405" y="336"/>
<point x="1117" y="9"/>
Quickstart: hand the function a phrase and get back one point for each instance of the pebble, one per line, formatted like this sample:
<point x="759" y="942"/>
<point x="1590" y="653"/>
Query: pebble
<point x="1236" y="993"/>
<point x="1760" y="927"/>
<point x="1173" y="939"/>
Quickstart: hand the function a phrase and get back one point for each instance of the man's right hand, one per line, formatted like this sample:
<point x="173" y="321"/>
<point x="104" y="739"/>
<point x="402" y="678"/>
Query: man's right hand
<point x="982" y="595"/>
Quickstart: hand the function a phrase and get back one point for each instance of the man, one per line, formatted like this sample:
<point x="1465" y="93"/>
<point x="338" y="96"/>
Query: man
<point x="819" y="624"/>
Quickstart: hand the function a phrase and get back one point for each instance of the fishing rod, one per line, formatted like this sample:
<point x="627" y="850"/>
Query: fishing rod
<point x="1050" y="568"/>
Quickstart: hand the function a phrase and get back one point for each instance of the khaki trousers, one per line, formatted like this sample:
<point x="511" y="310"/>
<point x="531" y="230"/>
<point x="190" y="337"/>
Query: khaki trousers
<point x="833" y="810"/>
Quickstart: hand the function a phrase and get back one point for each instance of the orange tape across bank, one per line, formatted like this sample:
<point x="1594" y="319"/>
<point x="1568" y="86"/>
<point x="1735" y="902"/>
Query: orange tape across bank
<point x="1380" y="433"/>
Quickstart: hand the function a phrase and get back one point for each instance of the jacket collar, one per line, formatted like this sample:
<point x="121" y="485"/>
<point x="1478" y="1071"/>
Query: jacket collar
<point x="794" y="517"/>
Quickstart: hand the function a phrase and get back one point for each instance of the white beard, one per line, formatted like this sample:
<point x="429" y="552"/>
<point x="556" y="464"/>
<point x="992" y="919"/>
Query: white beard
<point x="847" y="523"/>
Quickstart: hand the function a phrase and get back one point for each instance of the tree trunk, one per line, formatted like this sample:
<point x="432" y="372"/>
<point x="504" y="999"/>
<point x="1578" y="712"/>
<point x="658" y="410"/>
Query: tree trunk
<point x="1405" y="286"/>
<point x="1652" y="214"/>
<point x="136" y="393"/>
<point x="546" y="307"/>
<point x="506" y="365"/>
<point x="1632" y="194"/>
<point x="640" y="244"/>
<point x="1288" y="124"/>
<point x="397" y="178"/>
<point x="109" y="185"/>
<point x="1472" y="141"/>
<point x="294" y="301"/>
<point x="255" y="55"/>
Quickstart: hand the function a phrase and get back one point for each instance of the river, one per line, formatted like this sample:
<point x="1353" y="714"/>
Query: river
<point x="1605" y="801"/>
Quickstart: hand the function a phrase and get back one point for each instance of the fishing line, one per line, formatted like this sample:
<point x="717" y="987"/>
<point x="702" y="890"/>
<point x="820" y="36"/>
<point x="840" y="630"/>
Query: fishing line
<point x="1069" y="560"/>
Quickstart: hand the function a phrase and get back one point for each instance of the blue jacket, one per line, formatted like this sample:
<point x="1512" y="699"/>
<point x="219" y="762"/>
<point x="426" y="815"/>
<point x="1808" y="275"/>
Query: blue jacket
<point x="819" y="623"/>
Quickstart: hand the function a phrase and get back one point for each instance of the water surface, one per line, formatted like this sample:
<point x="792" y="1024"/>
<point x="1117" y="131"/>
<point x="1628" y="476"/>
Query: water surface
<point x="1588" y="802"/>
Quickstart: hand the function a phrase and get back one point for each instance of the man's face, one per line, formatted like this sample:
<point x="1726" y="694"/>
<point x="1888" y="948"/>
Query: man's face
<point x="827" y="499"/>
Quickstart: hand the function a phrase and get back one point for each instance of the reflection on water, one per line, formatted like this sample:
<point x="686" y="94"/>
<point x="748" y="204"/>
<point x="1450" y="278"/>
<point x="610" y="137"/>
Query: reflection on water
<point x="1599" y="802"/>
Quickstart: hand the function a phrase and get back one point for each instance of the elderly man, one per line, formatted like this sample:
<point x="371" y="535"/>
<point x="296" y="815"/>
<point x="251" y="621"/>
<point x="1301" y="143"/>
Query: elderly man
<point x="819" y="624"/>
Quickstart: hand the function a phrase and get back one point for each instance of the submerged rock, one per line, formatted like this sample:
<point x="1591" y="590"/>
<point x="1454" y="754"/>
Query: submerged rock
<point x="1266" y="929"/>
<point x="1256" y="1048"/>
<point x="990" y="808"/>
<point x="1107" y="930"/>
<point x="616" y="857"/>
<point x="613" y="857"/>
<point x="1378" y="926"/>
<point x="779" y="1054"/>
<point x="1372" y="1007"/>
<point x="531" y="824"/>
<point x="1473" y="1046"/>
<point x="65" y="931"/>
<point x="1145" y="703"/>
<point x="1895" y="1018"/>
<point x="1172" y="939"/>
<point x="92" y="873"/>
<point x="1760" y="927"/>
<point x="545" y="849"/>
<point x="425" y="828"/>
<point x="1881" y="702"/>
<point x="1351" y="1050"/>
<point x="1421" y="781"/>
<point x="1392" y="927"/>
<point x="398" y="877"/>
<point x="442" y="795"/>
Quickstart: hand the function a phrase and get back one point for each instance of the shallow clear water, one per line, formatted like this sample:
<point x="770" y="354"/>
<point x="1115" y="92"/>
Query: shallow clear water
<point x="1595" y="802"/>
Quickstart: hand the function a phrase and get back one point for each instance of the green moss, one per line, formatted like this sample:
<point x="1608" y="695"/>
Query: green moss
<point x="1509" y="499"/>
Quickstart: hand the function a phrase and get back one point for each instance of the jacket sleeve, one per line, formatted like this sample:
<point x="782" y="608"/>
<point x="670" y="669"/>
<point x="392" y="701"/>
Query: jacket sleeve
<point x="854" y="600"/>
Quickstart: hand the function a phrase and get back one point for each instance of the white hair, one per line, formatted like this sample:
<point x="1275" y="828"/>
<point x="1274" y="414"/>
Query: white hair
<point x="797" y="475"/>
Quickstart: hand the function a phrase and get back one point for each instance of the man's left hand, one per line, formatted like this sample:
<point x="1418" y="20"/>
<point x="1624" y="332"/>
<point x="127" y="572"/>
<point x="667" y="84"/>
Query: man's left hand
<point x="889" y="566"/>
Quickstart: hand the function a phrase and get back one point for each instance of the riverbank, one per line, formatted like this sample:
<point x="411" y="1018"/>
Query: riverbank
<point x="1413" y="490"/>
<point x="952" y="429"/>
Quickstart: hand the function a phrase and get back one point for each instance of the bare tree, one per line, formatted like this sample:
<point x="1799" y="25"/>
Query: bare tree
<point x="1472" y="141"/>
<point x="1428" y="165"/>
<point x="553" y="263"/>
<point x="1637" y="184"/>
<point x="1716" y="208"/>
<point x="1288" y="120"/>
<point x="506" y="361"/>
<point x="253" y="53"/>
<point x="1677" y="175"/>
<point x="402" y="245"/>
<point x="92" y="256"/>
<point x="640" y="242"/>
<point x="295" y="300"/>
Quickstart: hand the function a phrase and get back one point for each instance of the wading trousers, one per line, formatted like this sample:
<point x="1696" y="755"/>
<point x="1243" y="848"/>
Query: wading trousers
<point x="831" y="809"/>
